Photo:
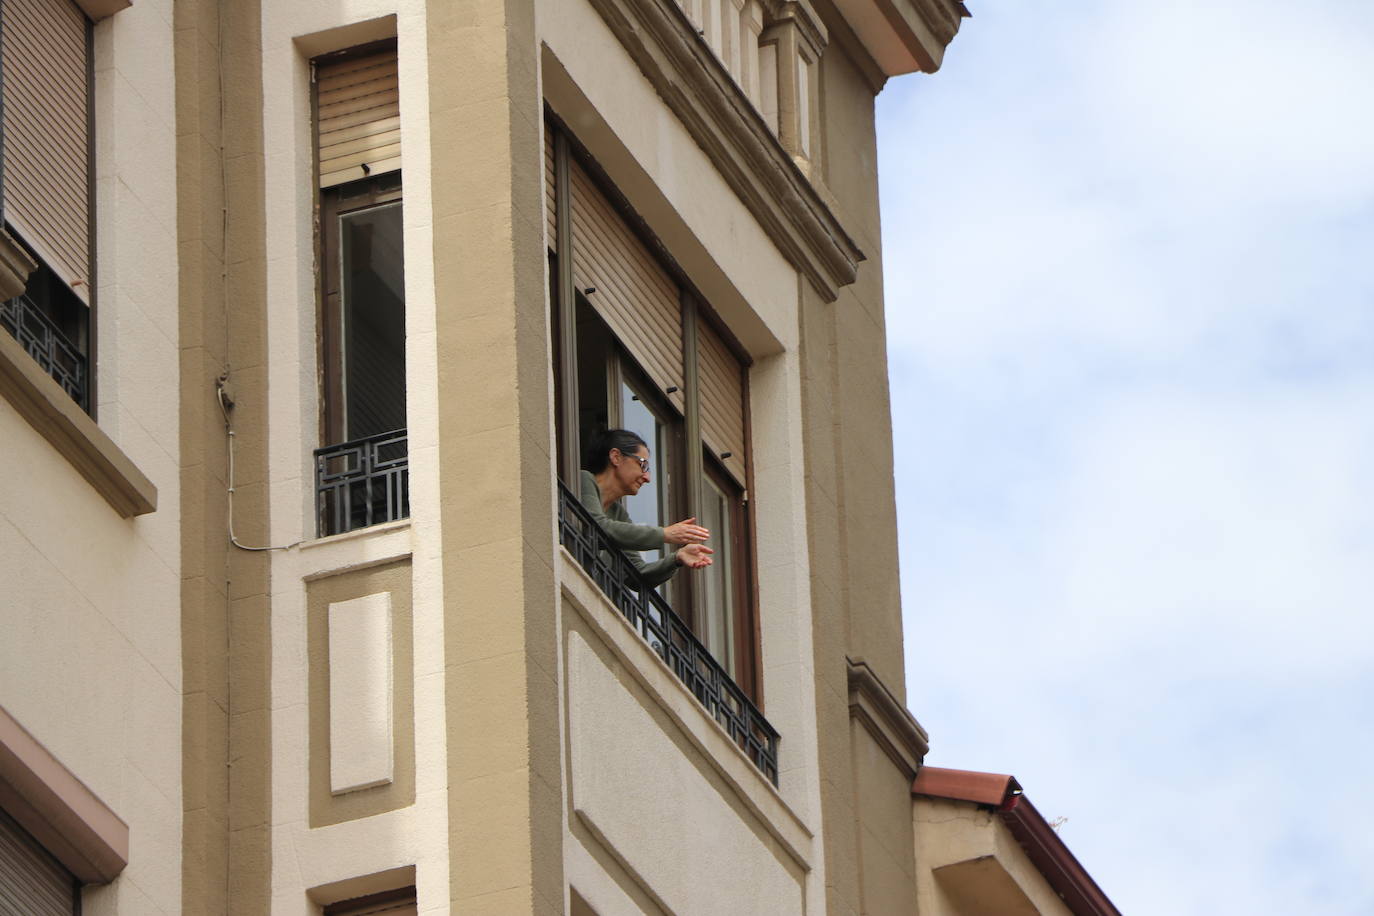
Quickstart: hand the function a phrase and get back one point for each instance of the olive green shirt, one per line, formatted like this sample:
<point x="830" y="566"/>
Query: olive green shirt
<point x="628" y="536"/>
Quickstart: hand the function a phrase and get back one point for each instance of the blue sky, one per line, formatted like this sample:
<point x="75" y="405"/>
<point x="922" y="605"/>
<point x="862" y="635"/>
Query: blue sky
<point x="1129" y="256"/>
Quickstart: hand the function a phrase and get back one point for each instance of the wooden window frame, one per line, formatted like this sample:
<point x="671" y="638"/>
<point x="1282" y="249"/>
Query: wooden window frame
<point x="692" y="459"/>
<point x="335" y="203"/>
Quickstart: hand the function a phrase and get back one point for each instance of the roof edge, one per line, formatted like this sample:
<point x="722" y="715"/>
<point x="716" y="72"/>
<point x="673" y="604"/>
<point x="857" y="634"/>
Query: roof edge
<point x="1047" y="852"/>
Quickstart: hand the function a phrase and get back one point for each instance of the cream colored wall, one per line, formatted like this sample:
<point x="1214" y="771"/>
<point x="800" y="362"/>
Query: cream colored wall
<point x="90" y="661"/>
<point x="592" y="83"/>
<point x="885" y="835"/>
<point x="865" y="488"/>
<point x="851" y="513"/>
<point x="959" y="835"/>
<point x="658" y="795"/>
<point x="415" y="834"/>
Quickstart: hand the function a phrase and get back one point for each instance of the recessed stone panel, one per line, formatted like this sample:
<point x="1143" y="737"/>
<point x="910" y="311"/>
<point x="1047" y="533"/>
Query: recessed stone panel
<point x="360" y="693"/>
<point x="640" y="794"/>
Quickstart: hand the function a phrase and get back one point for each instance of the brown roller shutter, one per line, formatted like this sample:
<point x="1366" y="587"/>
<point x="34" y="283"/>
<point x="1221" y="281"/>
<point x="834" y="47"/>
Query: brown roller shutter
<point x="47" y="134"/>
<point x="550" y="190"/>
<point x="32" y="882"/>
<point x="636" y="297"/>
<point x="720" y="383"/>
<point x="359" y="117"/>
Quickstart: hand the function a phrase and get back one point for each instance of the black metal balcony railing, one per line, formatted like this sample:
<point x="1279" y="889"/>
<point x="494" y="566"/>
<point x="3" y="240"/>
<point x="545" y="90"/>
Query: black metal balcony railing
<point x="666" y="633"/>
<point x="363" y="482"/>
<point x="48" y="346"/>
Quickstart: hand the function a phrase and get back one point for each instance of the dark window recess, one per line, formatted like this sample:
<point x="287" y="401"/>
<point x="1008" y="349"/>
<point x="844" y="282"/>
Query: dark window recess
<point x="392" y="903"/>
<point x="667" y="634"/>
<point x="53" y="326"/>
<point x="362" y="477"/>
<point x="374" y="320"/>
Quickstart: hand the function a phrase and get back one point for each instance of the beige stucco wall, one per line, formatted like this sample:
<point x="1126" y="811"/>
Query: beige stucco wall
<point x="657" y="792"/>
<point x="407" y="826"/>
<point x="90" y="661"/>
<point x="969" y="864"/>
<point x="851" y="510"/>
<point x="598" y="90"/>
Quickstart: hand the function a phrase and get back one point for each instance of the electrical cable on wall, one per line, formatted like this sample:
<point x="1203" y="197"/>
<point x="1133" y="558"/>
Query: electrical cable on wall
<point x="226" y="405"/>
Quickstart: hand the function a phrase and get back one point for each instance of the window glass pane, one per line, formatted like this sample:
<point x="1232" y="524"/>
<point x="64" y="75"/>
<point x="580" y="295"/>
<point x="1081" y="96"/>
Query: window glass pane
<point x="373" y="289"/>
<point x="717" y="580"/>
<point x="648" y="506"/>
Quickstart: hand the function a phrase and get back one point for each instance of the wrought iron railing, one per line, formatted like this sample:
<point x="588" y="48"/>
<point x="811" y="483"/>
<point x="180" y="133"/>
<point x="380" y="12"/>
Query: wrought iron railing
<point x="48" y="346"/>
<point x="363" y="482"/>
<point x="666" y="633"/>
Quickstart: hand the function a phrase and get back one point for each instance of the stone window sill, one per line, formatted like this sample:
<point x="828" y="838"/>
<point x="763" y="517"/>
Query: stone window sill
<point x="49" y="410"/>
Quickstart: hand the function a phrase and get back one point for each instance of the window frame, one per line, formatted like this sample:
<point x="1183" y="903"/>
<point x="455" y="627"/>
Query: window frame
<point x="693" y="456"/>
<point x="335" y="203"/>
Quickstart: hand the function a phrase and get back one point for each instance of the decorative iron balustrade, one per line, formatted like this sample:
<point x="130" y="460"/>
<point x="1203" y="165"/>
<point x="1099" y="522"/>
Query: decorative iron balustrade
<point x="666" y="633"/>
<point x="362" y="483"/>
<point x="48" y="346"/>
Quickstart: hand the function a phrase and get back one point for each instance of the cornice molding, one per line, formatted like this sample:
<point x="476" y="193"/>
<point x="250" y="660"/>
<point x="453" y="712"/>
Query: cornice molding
<point x="922" y="29"/>
<point x="941" y="17"/>
<point x="895" y="729"/>
<point x="808" y="22"/>
<point x="723" y="122"/>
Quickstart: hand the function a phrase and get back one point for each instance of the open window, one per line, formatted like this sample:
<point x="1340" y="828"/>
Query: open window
<point x="637" y="349"/>
<point x="46" y="196"/>
<point x="362" y="467"/>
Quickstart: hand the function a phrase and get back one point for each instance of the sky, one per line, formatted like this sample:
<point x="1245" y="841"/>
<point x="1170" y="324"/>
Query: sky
<point x="1129" y="268"/>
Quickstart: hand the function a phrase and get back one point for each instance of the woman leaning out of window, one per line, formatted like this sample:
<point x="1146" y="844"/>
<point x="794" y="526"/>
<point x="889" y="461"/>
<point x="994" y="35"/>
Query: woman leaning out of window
<point x="617" y="466"/>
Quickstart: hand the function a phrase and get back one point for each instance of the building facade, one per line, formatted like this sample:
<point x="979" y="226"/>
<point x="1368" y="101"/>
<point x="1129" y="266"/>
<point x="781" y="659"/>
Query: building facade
<point x="313" y="305"/>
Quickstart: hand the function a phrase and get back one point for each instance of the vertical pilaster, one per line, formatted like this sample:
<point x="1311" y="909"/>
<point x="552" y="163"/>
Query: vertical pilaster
<point x="495" y="457"/>
<point x="225" y="636"/>
<point x="792" y="42"/>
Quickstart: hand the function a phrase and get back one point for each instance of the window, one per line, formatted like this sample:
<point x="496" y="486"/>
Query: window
<point x="362" y="469"/>
<point x="45" y="185"/>
<point x="647" y="355"/>
<point x="31" y="880"/>
<point x="392" y="903"/>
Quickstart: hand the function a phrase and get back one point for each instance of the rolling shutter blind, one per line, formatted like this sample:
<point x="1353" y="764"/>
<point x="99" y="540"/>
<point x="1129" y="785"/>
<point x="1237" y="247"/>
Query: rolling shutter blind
<point x="550" y="191"/>
<point x="720" y="383"/>
<point x="359" y="117"/>
<point x="47" y="134"/>
<point x="635" y="296"/>
<point x="32" y="882"/>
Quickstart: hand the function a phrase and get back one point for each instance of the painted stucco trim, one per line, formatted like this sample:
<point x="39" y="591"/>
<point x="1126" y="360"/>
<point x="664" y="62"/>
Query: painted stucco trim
<point x="894" y="728"/>
<point x="904" y="35"/>
<point x="702" y="94"/>
<point x="50" y="411"/>
<point x="57" y="809"/>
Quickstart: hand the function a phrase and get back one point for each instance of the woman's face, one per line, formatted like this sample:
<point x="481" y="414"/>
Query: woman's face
<point x="631" y="469"/>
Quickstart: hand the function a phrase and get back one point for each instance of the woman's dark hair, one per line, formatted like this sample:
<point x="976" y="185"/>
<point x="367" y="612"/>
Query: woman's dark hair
<point x="599" y="449"/>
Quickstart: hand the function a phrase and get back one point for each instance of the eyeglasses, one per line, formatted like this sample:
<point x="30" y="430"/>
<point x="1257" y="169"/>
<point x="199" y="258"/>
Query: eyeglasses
<point x="643" y="462"/>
